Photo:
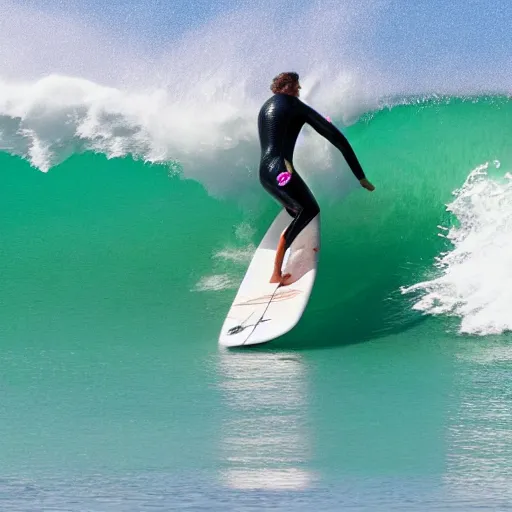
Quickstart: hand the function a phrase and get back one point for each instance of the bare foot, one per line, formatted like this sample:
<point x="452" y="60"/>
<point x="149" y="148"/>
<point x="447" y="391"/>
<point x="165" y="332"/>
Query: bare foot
<point x="282" y="280"/>
<point x="285" y="280"/>
<point x="276" y="278"/>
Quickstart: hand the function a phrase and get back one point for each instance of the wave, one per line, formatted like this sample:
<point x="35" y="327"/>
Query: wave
<point x="377" y="248"/>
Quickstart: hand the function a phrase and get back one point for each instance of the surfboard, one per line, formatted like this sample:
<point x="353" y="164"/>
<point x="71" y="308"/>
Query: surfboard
<point x="263" y="311"/>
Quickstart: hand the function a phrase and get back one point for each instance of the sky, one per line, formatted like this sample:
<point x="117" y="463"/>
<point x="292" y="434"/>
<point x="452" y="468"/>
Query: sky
<point x="414" y="39"/>
<point x="483" y="25"/>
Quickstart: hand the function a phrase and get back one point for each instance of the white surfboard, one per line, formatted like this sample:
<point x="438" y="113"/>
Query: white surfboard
<point x="263" y="311"/>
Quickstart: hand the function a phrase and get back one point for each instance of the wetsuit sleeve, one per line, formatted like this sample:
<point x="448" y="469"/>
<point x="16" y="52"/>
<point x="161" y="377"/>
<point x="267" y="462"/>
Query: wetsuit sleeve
<point x="335" y="137"/>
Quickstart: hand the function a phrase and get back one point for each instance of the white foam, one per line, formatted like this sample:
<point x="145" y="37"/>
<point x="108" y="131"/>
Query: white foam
<point x="239" y="256"/>
<point x="193" y="101"/>
<point x="476" y="275"/>
<point x="214" y="283"/>
<point x="215" y="143"/>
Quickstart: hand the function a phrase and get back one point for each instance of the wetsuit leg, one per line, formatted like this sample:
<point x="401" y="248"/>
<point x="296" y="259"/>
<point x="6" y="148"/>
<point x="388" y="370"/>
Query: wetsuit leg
<point x="307" y="211"/>
<point x="295" y="197"/>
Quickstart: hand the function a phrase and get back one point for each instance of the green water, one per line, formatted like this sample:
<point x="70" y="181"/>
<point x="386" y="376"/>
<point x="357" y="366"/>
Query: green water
<point x="115" y="395"/>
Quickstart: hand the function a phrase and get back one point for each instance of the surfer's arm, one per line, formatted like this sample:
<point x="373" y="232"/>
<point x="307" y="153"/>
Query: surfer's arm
<point x="335" y="137"/>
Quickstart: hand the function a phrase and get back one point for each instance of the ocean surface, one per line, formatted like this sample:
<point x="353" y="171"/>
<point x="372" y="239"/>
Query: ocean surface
<point x="128" y="218"/>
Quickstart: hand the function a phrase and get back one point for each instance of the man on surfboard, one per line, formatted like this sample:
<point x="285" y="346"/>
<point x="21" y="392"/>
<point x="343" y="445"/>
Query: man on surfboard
<point x="280" y="120"/>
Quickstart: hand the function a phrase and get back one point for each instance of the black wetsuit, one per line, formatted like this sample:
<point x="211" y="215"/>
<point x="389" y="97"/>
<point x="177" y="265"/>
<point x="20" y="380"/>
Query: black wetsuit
<point x="279" y="122"/>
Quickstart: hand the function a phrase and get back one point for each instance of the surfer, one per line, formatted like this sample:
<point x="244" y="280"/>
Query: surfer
<point x="280" y="120"/>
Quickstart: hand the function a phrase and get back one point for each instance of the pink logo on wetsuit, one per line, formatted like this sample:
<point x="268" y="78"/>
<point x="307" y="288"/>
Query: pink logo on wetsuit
<point x="283" y="178"/>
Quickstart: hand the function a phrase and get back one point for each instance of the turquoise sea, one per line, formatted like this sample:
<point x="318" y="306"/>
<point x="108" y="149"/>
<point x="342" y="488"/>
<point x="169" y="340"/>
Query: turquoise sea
<point x="128" y="220"/>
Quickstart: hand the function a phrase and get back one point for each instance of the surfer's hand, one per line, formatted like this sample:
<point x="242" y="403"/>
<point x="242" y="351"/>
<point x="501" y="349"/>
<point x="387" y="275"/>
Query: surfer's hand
<point x="366" y="184"/>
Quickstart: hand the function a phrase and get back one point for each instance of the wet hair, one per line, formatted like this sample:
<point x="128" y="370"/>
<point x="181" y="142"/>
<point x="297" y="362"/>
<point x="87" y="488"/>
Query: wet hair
<point x="284" y="80"/>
